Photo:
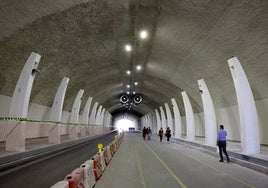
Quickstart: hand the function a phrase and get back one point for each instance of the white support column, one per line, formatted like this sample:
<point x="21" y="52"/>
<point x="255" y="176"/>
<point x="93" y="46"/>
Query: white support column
<point x="15" y="137"/>
<point x="74" y="117"/>
<point x="169" y="119"/>
<point x="163" y="119"/>
<point x="209" y="113"/>
<point x="154" y="123"/>
<point x="249" y="123"/>
<point x="85" y="115"/>
<point x="56" y="111"/>
<point x="108" y="119"/>
<point x="102" y="117"/>
<point x="158" y="120"/>
<point x="150" y="121"/>
<point x="98" y="115"/>
<point x="177" y="119"/>
<point x="147" y="120"/>
<point x="92" y="119"/>
<point x="106" y="116"/>
<point x="190" y="123"/>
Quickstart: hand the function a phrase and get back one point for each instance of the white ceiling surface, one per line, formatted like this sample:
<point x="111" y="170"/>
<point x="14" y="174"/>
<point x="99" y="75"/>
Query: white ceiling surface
<point x="84" y="40"/>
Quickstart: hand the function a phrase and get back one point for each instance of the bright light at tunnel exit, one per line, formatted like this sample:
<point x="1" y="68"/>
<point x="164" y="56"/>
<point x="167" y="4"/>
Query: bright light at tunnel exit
<point x="124" y="124"/>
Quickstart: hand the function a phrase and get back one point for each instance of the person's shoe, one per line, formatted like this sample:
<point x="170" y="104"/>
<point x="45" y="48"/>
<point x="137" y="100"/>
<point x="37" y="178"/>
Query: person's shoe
<point x="221" y="161"/>
<point x="228" y="160"/>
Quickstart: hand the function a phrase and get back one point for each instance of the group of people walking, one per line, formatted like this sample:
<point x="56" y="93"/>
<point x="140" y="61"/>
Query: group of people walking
<point x="147" y="132"/>
<point x="167" y="134"/>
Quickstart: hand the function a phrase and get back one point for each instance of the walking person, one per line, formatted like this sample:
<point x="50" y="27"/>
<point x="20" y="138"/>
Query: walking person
<point x="160" y="134"/>
<point x="221" y="142"/>
<point x="168" y="134"/>
<point x="149" y="133"/>
<point x="144" y="132"/>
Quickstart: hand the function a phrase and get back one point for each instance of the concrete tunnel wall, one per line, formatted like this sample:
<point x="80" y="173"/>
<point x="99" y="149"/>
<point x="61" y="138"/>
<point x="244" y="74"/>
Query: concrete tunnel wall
<point x="228" y="116"/>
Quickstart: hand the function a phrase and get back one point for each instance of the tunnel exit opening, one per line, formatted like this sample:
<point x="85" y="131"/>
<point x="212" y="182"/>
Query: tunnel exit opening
<point x="126" y="125"/>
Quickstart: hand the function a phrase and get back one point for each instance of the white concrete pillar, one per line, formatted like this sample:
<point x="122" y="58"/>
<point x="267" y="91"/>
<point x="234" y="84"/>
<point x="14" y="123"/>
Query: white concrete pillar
<point x="163" y="119"/>
<point x="249" y="123"/>
<point x="98" y="115"/>
<point x="190" y="123"/>
<point x="74" y="117"/>
<point x="158" y="120"/>
<point x="147" y="120"/>
<point x="102" y="117"/>
<point x="15" y="137"/>
<point x="106" y="117"/>
<point x="84" y="117"/>
<point x="209" y="114"/>
<point x="56" y="111"/>
<point x="177" y="119"/>
<point x="169" y="119"/>
<point x="92" y="116"/>
<point x="154" y="123"/>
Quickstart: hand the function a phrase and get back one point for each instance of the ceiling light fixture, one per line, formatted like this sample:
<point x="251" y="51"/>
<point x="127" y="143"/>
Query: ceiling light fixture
<point x="128" y="47"/>
<point x="128" y="72"/>
<point x="138" y="67"/>
<point x="143" y="34"/>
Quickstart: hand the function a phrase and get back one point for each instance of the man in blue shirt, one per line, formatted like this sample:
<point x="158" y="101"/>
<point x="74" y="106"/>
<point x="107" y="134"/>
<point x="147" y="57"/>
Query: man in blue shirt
<point x="221" y="142"/>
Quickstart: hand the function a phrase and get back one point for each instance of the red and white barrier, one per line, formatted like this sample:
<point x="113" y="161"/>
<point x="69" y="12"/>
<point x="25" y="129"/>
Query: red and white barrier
<point x="112" y="148"/>
<point x="109" y="152"/>
<point x="106" y="155"/>
<point x="97" y="166"/>
<point x="76" y="178"/>
<point x="90" y="171"/>
<point x="102" y="160"/>
<point x="89" y="178"/>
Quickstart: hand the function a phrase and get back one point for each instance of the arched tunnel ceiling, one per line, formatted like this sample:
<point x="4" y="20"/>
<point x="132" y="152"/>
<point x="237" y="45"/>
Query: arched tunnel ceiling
<point x="84" y="41"/>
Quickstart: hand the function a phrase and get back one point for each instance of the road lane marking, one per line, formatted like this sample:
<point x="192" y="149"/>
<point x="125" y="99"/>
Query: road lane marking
<point x="166" y="166"/>
<point x="140" y="167"/>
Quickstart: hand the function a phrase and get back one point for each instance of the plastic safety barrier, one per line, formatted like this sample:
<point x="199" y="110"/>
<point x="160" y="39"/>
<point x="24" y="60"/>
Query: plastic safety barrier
<point x="91" y="170"/>
<point x="97" y="166"/>
<point x="106" y="155"/>
<point x="112" y="148"/>
<point x="102" y="160"/>
<point x="116" y="142"/>
<point x="76" y="178"/>
<point x="109" y="152"/>
<point x="61" y="184"/>
<point x="89" y="178"/>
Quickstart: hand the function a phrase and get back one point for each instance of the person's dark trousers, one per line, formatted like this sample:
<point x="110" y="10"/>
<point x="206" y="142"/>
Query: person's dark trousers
<point x="161" y="137"/>
<point x="222" y="148"/>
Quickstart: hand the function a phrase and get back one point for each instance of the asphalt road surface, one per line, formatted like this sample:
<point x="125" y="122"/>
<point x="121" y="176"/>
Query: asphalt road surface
<point x="47" y="171"/>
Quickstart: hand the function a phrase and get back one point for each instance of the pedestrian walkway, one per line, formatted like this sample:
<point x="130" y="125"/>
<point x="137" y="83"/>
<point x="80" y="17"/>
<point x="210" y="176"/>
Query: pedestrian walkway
<point x="151" y="164"/>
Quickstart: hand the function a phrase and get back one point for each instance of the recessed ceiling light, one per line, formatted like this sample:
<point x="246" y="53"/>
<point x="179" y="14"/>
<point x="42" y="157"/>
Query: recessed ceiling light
<point x="138" y="67"/>
<point x="134" y="92"/>
<point x="128" y="72"/>
<point x="128" y="47"/>
<point x="143" y="34"/>
<point x="128" y="92"/>
<point x="136" y="83"/>
<point x="128" y="86"/>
